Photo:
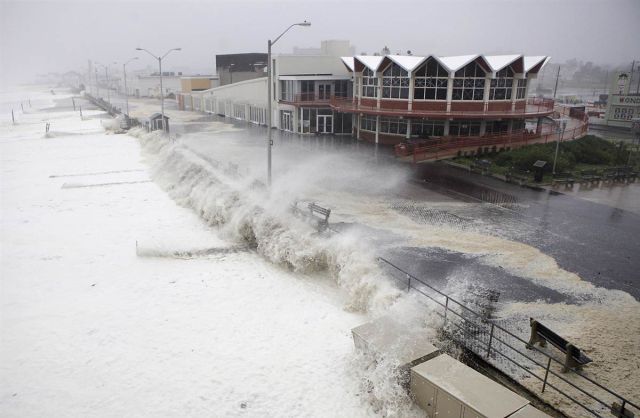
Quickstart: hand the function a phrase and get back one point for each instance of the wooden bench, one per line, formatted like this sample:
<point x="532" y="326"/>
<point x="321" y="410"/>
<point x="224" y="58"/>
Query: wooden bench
<point x="480" y="166"/>
<point x="541" y="334"/>
<point x="517" y="177"/>
<point x="563" y="178"/>
<point x="317" y="215"/>
<point x="320" y="215"/>
<point x="589" y="176"/>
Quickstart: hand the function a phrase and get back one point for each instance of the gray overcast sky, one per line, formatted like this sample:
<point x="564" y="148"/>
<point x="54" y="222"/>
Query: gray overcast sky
<point x="42" y="36"/>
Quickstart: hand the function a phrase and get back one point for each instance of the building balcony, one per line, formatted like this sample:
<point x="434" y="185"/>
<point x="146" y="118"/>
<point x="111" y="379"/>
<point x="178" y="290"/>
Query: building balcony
<point x="521" y="109"/>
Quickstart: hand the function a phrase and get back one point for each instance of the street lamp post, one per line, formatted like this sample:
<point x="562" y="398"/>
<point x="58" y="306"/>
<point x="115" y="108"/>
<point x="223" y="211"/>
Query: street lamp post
<point x="95" y="70"/>
<point x="564" y="126"/>
<point x="269" y="82"/>
<point x="124" y="75"/>
<point x="160" y="58"/>
<point x="106" y="73"/>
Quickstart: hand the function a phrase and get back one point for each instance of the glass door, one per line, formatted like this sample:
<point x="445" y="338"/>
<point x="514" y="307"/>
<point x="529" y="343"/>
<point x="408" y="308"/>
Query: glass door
<point x="324" y="91"/>
<point x="325" y="124"/>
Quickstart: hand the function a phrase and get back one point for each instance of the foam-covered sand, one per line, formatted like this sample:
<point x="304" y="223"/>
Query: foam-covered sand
<point x="89" y="328"/>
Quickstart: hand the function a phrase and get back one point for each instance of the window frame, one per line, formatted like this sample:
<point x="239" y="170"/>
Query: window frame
<point x="430" y="81"/>
<point x="369" y="83"/>
<point x="469" y="87"/>
<point x="395" y="83"/>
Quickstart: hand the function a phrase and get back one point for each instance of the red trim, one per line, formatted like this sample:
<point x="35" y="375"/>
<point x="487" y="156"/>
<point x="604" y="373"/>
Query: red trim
<point x="477" y="106"/>
<point x="533" y="108"/>
<point x="394" y="104"/>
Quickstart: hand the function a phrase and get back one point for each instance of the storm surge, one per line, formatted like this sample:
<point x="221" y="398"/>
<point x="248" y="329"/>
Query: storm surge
<point x="246" y="213"/>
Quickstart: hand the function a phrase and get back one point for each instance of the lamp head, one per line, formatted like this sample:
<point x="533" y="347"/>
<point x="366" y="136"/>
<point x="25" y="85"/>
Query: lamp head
<point x="138" y="49"/>
<point x="305" y="23"/>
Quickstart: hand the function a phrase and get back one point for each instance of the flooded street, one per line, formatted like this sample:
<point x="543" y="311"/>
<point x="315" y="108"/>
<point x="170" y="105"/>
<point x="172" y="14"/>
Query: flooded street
<point x="592" y="233"/>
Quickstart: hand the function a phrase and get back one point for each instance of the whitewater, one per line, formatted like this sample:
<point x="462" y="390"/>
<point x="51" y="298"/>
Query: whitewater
<point x="153" y="276"/>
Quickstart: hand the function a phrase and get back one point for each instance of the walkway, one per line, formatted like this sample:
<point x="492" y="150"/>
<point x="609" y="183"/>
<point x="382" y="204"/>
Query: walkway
<point x="449" y="147"/>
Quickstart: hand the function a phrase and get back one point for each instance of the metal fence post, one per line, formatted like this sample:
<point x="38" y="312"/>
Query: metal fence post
<point x="446" y="308"/>
<point x="546" y="373"/>
<point x="490" y="339"/>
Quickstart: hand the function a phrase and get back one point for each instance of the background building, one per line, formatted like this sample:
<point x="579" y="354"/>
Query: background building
<point x="232" y="68"/>
<point x="149" y="85"/>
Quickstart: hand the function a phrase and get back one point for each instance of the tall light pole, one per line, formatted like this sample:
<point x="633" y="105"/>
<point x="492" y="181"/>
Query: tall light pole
<point x="106" y="72"/>
<point x="561" y="122"/>
<point x="555" y="89"/>
<point x="231" y="73"/>
<point x="269" y="115"/>
<point x="160" y="58"/>
<point x="95" y="70"/>
<point x="124" y="75"/>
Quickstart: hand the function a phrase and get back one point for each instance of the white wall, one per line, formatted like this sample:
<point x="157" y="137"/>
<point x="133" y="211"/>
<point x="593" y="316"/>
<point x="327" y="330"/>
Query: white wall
<point x="309" y="64"/>
<point x="149" y="86"/>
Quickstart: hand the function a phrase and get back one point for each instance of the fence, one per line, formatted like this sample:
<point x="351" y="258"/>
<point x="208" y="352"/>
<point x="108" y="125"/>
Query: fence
<point x="449" y="146"/>
<point x="129" y="122"/>
<point x="533" y="107"/>
<point x="499" y="347"/>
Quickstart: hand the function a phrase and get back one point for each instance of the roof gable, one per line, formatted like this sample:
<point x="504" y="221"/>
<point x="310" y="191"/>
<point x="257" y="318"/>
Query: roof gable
<point x="370" y="61"/>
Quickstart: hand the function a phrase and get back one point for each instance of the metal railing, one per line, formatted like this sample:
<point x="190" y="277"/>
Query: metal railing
<point x="314" y="98"/>
<point x="498" y="346"/>
<point x="532" y="107"/>
<point x="447" y="147"/>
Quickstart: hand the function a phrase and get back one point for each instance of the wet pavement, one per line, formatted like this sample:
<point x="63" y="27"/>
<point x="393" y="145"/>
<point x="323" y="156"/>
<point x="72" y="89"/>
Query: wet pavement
<point x="600" y="242"/>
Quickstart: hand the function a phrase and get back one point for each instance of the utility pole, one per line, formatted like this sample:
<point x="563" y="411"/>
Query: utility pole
<point x="124" y="74"/>
<point x="97" y="85"/>
<point x="555" y="158"/>
<point x="555" y="89"/>
<point x="633" y="64"/>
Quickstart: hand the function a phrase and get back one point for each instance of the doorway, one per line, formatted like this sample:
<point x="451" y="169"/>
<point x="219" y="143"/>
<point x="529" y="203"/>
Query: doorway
<point x="324" y="91"/>
<point x="325" y="124"/>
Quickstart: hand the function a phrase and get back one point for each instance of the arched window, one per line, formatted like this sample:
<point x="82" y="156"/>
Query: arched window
<point x="395" y="83"/>
<point x="501" y="85"/>
<point x="369" y="83"/>
<point x="468" y="83"/>
<point x="431" y="82"/>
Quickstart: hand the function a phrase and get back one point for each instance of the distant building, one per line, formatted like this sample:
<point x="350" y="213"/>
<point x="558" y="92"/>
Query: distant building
<point x="233" y="68"/>
<point x="149" y="85"/>
<point x="622" y="105"/>
<point x="334" y="48"/>
<point x="198" y="83"/>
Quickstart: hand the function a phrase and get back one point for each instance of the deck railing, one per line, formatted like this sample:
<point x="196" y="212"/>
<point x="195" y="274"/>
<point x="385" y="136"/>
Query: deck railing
<point x="447" y="147"/>
<point x="533" y="107"/>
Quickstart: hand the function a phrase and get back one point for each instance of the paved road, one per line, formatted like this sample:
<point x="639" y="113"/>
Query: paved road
<point x="600" y="242"/>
